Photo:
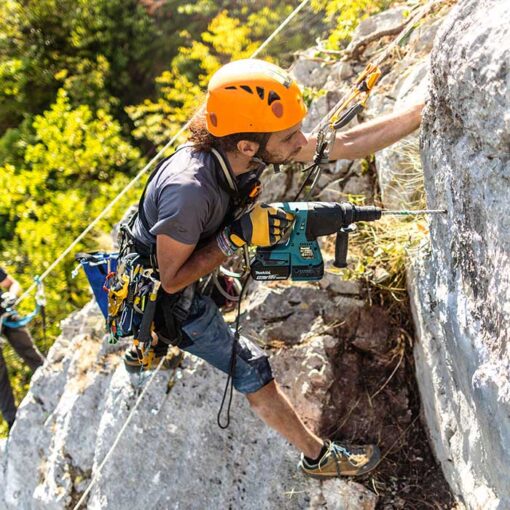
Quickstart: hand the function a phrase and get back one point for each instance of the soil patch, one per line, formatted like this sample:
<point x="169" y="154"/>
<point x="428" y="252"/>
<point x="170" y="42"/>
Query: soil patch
<point x="374" y="398"/>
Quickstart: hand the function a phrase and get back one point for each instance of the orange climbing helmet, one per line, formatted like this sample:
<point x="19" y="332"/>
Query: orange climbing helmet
<point x="252" y="96"/>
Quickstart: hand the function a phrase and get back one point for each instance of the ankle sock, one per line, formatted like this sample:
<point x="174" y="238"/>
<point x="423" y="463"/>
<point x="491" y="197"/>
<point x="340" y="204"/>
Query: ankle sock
<point x="313" y="462"/>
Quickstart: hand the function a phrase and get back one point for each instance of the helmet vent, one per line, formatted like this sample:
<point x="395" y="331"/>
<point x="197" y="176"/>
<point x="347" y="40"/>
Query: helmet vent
<point x="248" y="89"/>
<point x="272" y="97"/>
<point x="232" y="87"/>
<point x="260" y="92"/>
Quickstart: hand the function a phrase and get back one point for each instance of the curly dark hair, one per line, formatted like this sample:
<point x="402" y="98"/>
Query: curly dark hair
<point x="204" y="141"/>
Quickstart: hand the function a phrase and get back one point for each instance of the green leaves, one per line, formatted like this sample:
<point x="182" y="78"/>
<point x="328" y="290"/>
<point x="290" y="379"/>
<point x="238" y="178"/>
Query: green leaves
<point x="76" y="162"/>
<point x="104" y="48"/>
<point x="77" y="143"/>
<point x="181" y="88"/>
<point x="345" y="16"/>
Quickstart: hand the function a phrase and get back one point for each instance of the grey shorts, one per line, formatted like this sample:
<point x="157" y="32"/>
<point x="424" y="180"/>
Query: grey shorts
<point x="207" y="336"/>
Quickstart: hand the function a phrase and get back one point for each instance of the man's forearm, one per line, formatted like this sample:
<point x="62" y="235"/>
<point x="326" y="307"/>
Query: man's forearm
<point x="200" y="263"/>
<point x="368" y="137"/>
<point x="377" y="134"/>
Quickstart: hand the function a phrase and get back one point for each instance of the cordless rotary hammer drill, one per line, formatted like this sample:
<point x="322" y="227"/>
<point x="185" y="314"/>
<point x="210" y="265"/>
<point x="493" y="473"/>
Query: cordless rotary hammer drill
<point x="298" y="256"/>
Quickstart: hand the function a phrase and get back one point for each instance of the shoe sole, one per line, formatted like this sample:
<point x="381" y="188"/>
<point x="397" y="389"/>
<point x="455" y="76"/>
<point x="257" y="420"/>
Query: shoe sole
<point x="134" y="369"/>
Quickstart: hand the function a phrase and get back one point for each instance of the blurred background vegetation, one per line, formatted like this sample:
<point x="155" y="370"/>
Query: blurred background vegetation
<point x="90" y="90"/>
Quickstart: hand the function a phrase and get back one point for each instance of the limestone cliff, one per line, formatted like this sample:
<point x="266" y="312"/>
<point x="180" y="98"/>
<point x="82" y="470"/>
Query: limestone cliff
<point x="332" y="349"/>
<point x="461" y="289"/>
<point x="172" y="455"/>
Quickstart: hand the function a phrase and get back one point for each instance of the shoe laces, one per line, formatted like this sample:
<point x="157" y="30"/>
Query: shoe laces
<point x="356" y="459"/>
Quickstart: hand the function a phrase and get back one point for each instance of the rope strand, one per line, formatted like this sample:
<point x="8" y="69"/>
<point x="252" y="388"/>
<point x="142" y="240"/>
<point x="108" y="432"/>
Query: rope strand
<point x="117" y="439"/>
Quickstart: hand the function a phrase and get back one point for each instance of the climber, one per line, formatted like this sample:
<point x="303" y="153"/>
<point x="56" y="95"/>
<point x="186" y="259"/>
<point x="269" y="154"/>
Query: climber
<point x="199" y="208"/>
<point x="21" y="341"/>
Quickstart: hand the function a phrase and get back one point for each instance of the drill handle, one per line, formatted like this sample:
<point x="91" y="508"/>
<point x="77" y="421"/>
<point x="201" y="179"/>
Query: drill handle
<point x="342" y="246"/>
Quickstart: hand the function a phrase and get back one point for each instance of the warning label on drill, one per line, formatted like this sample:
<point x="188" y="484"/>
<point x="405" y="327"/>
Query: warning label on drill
<point x="305" y="251"/>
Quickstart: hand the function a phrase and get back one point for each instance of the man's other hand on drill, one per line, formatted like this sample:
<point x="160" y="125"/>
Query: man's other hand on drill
<point x="264" y="225"/>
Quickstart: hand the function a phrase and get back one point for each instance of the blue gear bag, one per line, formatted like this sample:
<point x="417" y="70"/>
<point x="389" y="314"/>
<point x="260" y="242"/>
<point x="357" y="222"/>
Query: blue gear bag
<point x="97" y="266"/>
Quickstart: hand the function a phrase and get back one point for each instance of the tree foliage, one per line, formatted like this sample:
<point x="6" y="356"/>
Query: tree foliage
<point x="42" y="42"/>
<point x="181" y="87"/>
<point x="227" y="37"/>
<point x="77" y="161"/>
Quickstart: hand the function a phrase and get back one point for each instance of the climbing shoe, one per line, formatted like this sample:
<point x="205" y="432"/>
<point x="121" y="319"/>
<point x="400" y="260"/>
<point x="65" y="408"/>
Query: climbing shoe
<point x="135" y="361"/>
<point x="342" y="460"/>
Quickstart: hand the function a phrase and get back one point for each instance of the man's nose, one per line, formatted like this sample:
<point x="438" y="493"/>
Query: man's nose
<point x="301" y="140"/>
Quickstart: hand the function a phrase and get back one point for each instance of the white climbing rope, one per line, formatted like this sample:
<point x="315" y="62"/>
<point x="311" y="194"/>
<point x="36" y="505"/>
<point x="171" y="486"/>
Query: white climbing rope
<point x="279" y="28"/>
<point x="383" y="54"/>
<point x="97" y="475"/>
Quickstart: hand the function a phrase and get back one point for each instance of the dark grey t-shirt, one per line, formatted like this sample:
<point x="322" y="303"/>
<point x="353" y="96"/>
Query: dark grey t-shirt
<point x="185" y="200"/>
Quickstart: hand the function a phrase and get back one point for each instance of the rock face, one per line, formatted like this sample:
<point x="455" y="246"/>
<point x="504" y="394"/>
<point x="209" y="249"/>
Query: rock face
<point x="386" y="21"/>
<point x="461" y="290"/>
<point x="340" y="360"/>
<point x="399" y="170"/>
<point x="172" y="454"/>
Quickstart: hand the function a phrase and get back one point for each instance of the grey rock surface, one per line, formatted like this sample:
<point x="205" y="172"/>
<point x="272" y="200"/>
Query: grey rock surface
<point x="339" y="73"/>
<point x="399" y="168"/>
<point x="320" y="108"/>
<point x="386" y="20"/>
<point x="172" y="455"/>
<point x="309" y="73"/>
<point x="461" y="290"/>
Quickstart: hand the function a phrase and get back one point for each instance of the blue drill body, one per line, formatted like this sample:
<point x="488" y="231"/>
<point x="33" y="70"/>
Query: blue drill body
<point x="298" y="255"/>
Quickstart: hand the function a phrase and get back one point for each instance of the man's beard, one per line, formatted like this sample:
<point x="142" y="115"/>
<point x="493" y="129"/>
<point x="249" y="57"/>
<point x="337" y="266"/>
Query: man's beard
<point x="270" y="159"/>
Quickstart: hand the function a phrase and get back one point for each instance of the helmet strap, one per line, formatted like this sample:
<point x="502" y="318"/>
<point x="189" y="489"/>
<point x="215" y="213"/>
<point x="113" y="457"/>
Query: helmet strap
<point x="258" y="156"/>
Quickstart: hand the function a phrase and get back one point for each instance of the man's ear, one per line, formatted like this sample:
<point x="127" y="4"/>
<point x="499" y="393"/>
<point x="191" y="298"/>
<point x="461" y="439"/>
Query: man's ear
<point x="247" y="148"/>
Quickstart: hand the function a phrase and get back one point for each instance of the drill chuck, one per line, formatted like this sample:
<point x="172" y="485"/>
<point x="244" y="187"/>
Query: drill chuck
<point x="365" y="213"/>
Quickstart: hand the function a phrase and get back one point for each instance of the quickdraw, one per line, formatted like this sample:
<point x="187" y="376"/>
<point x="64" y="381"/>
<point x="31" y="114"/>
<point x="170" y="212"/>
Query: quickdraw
<point x="340" y="115"/>
<point x="346" y="109"/>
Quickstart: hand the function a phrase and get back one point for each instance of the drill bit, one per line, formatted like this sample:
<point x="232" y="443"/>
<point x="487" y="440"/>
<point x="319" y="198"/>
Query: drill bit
<point x="406" y="212"/>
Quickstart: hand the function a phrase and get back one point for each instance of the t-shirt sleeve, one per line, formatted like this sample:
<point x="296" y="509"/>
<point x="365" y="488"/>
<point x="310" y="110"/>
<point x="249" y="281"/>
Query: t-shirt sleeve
<point x="3" y="274"/>
<point x="182" y="212"/>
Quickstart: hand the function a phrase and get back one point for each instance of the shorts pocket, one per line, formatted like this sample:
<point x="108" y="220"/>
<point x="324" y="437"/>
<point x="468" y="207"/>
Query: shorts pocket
<point x="203" y="316"/>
